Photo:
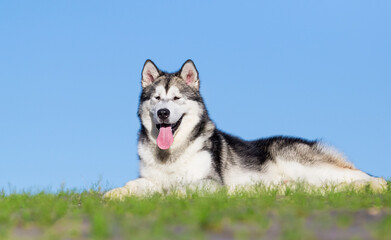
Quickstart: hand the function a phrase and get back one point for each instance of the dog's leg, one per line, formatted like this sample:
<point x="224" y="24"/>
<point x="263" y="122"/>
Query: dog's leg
<point x="359" y="179"/>
<point x="205" y="185"/>
<point x="138" y="187"/>
<point x="376" y="184"/>
<point x="202" y="186"/>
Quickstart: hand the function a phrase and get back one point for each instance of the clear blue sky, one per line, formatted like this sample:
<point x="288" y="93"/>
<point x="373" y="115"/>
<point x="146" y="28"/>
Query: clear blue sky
<point x="70" y="79"/>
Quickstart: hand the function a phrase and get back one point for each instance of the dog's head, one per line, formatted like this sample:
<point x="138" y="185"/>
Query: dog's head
<point x="170" y="104"/>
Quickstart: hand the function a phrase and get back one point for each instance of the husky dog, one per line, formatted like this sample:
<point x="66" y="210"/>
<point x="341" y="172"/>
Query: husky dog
<point x="179" y="145"/>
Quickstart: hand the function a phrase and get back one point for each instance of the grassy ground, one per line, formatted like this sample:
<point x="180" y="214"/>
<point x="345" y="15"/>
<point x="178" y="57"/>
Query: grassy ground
<point x="261" y="213"/>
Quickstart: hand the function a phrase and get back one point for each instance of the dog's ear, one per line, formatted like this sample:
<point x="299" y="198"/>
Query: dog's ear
<point x="149" y="74"/>
<point x="189" y="74"/>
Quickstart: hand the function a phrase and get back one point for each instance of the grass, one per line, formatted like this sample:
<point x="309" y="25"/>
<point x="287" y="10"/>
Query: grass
<point x="259" y="213"/>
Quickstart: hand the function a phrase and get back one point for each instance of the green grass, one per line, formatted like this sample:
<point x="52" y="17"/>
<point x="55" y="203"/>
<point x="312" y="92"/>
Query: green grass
<point x="260" y="213"/>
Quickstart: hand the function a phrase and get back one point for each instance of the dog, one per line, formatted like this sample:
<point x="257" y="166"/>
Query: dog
<point x="179" y="145"/>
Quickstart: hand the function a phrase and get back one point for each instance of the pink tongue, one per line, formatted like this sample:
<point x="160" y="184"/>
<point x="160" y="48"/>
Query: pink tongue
<point x="165" y="138"/>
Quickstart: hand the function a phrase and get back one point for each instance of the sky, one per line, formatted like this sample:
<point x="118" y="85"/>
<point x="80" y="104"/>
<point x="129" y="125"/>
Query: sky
<point x="70" y="75"/>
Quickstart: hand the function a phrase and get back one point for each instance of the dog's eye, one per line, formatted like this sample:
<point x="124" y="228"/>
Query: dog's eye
<point x="177" y="98"/>
<point x="157" y="98"/>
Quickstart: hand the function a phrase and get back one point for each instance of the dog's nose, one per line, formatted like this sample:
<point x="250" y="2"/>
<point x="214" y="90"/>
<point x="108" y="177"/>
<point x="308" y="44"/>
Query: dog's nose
<point x="163" y="113"/>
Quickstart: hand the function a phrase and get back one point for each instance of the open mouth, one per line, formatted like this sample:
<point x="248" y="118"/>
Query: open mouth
<point x="174" y="126"/>
<point x="166" y="134"/>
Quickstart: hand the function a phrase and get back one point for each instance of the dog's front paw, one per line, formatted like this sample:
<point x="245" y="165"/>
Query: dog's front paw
<point x="117" y="193"/>
<point x="139" y="187"/>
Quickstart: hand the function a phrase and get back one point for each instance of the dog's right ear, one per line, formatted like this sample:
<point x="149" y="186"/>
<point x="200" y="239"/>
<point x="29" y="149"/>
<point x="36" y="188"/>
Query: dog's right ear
<point x="149" y="74"/>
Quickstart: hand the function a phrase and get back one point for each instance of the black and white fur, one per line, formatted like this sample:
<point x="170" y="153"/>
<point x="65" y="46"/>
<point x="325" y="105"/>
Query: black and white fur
<point x="202" y="155"/>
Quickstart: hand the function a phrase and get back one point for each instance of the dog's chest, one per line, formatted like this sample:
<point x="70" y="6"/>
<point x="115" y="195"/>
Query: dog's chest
<point x="188" y="168"/>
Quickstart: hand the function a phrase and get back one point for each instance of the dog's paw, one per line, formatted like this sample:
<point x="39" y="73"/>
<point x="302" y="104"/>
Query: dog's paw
<point x="117" y="194"/>
<point x="376" y="184"/>
<point x="140" y="187"/>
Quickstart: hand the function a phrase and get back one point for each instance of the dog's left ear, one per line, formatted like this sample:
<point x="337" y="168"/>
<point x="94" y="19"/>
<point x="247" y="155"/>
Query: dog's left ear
<point x="189" y="74"/>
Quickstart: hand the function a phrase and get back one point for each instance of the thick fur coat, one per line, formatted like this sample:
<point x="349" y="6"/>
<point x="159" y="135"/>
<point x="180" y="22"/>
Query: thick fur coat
<point x="179" y="145"/>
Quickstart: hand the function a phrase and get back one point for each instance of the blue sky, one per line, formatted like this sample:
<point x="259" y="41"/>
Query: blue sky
<point x="70" y="79"/>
